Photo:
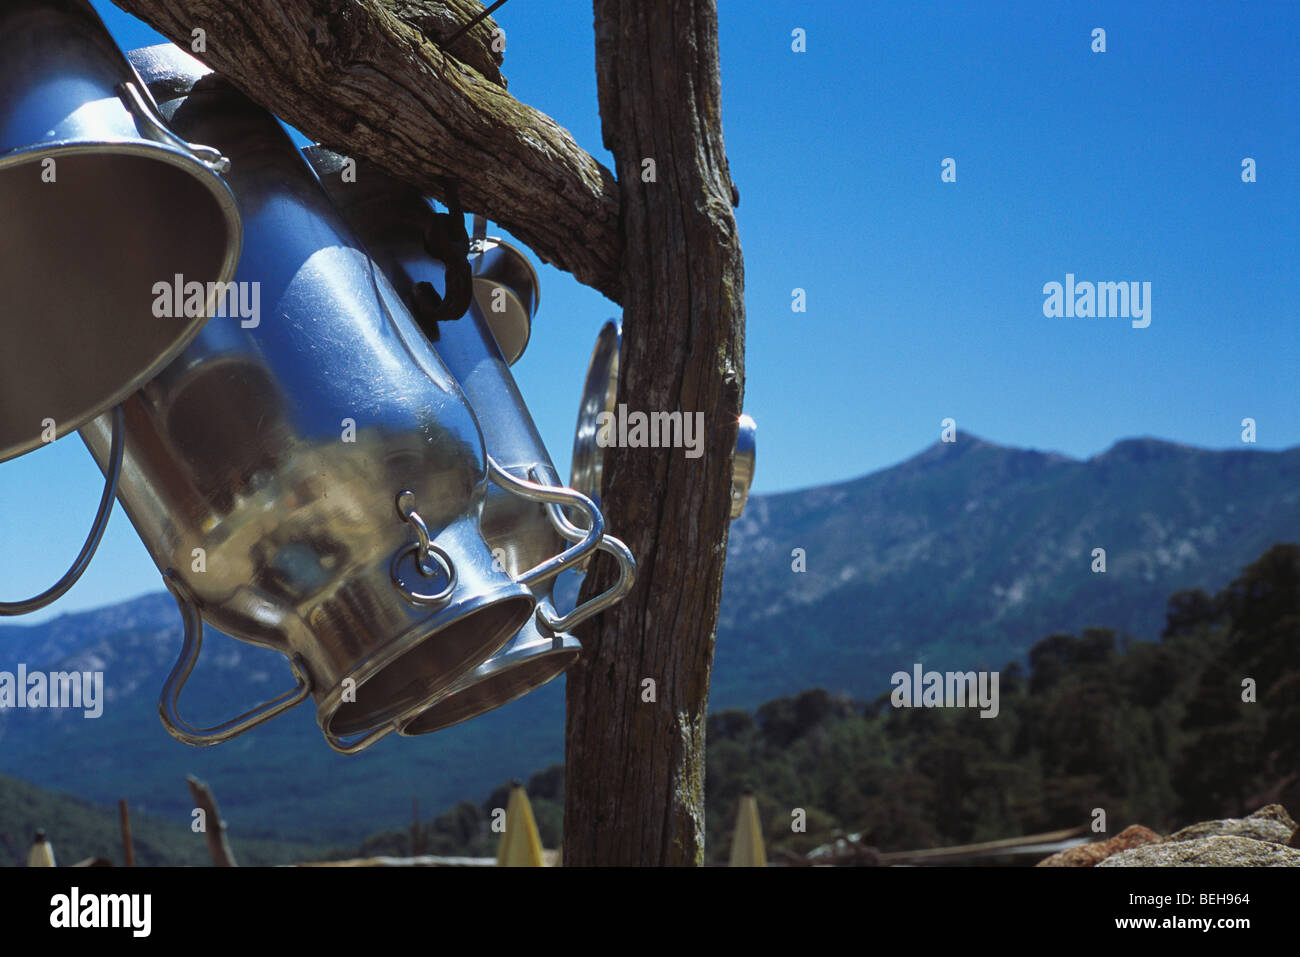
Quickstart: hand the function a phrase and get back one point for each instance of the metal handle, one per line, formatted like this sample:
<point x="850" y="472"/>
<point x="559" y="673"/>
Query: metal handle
<point x="142" y="106"/>
<point x="423" y="572"/>
<point x="557" y="495"/>
<point x="365" y="741"/>
<point x="82" y="561"/>
<point x="168" y="701"/>
<point x="610" y="596"/>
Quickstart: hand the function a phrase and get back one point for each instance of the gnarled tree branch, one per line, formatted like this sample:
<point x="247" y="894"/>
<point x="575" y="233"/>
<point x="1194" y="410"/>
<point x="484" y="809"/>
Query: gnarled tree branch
<point x="365" y="78"/>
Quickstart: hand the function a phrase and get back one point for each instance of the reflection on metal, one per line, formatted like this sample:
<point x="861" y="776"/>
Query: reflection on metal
<point x="525" y="507"/>
<point x="275" y="467"/>
<point x="507" y="292"/>
<point x="742" y="468"/>
<point x="600" y="395"/>
<point x="101" y="202"/>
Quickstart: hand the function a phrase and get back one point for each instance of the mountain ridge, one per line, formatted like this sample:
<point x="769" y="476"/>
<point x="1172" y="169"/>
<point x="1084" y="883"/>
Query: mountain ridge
<point x="969" y="441"/>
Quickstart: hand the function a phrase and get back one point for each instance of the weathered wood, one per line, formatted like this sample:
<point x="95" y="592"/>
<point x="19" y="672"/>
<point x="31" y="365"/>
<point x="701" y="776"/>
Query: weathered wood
<point x="214" y="827"/>
<point x="367" y="78"/>
<point x="481" y="47"/>
<point x="634" y="770"/>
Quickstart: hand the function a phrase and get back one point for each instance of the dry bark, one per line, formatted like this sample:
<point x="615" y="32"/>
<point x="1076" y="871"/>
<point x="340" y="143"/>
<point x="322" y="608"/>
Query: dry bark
<point x="214" y="826"/>
<point x="362" y="77"/>
<point x="634" y="769"/>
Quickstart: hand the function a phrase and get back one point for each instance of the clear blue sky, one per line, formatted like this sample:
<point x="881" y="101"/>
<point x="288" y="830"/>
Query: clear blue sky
<point x="924" y="299"/>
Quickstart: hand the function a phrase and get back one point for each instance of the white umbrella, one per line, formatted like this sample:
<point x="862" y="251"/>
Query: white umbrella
<point x="747" y="844"/>
<point x="41" y="854"/>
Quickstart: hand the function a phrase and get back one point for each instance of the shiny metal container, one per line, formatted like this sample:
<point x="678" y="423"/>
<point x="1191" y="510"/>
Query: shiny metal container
<point x="507" y="293"/>
<point x="389" y="217"/>
<point x="310" y="478"/>
<point x="100" y="202"/>
<point x="600" y="395"/>
<point x="743" y="464"/>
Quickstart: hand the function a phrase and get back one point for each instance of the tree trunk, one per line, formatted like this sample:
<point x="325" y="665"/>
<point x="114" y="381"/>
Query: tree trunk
<point x="634" y="767"/>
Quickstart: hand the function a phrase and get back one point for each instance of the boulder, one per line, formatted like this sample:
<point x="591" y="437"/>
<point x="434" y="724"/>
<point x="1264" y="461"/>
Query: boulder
<point x="1270" y="823"/>
<point x="1090" y="855"/>
<point x="1216" y="851"/>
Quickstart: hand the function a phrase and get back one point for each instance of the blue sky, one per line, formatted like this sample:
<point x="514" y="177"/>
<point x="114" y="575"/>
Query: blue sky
<point x="924" y="298"/>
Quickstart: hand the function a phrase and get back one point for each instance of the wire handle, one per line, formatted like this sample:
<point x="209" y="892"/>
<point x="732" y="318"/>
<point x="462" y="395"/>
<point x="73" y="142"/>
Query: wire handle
<point x="360" y="744"/>
<point x="610" y="596"/>
<point x="168" y="701"/>
<point x="552" y="495"/>
<point x="82" y="561"/>
<point x="145" y="111"/>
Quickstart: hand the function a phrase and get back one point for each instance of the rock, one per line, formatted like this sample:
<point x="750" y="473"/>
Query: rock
<point x="1295" y="839"/>
<point x="1270" y="823"/>
<point x="1090" y="855"/>
<point x="1217" y="851"/>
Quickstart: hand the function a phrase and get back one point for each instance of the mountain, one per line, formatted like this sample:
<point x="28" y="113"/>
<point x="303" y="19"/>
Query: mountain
<point x="966" y="554"/>
<point x="960" y="557"/>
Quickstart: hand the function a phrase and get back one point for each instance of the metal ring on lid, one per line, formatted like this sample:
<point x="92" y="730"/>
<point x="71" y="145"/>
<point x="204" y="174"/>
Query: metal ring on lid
<point x="424" y="580"/>
<point x="406" y="508"/>
<point x="424" y="573"/>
